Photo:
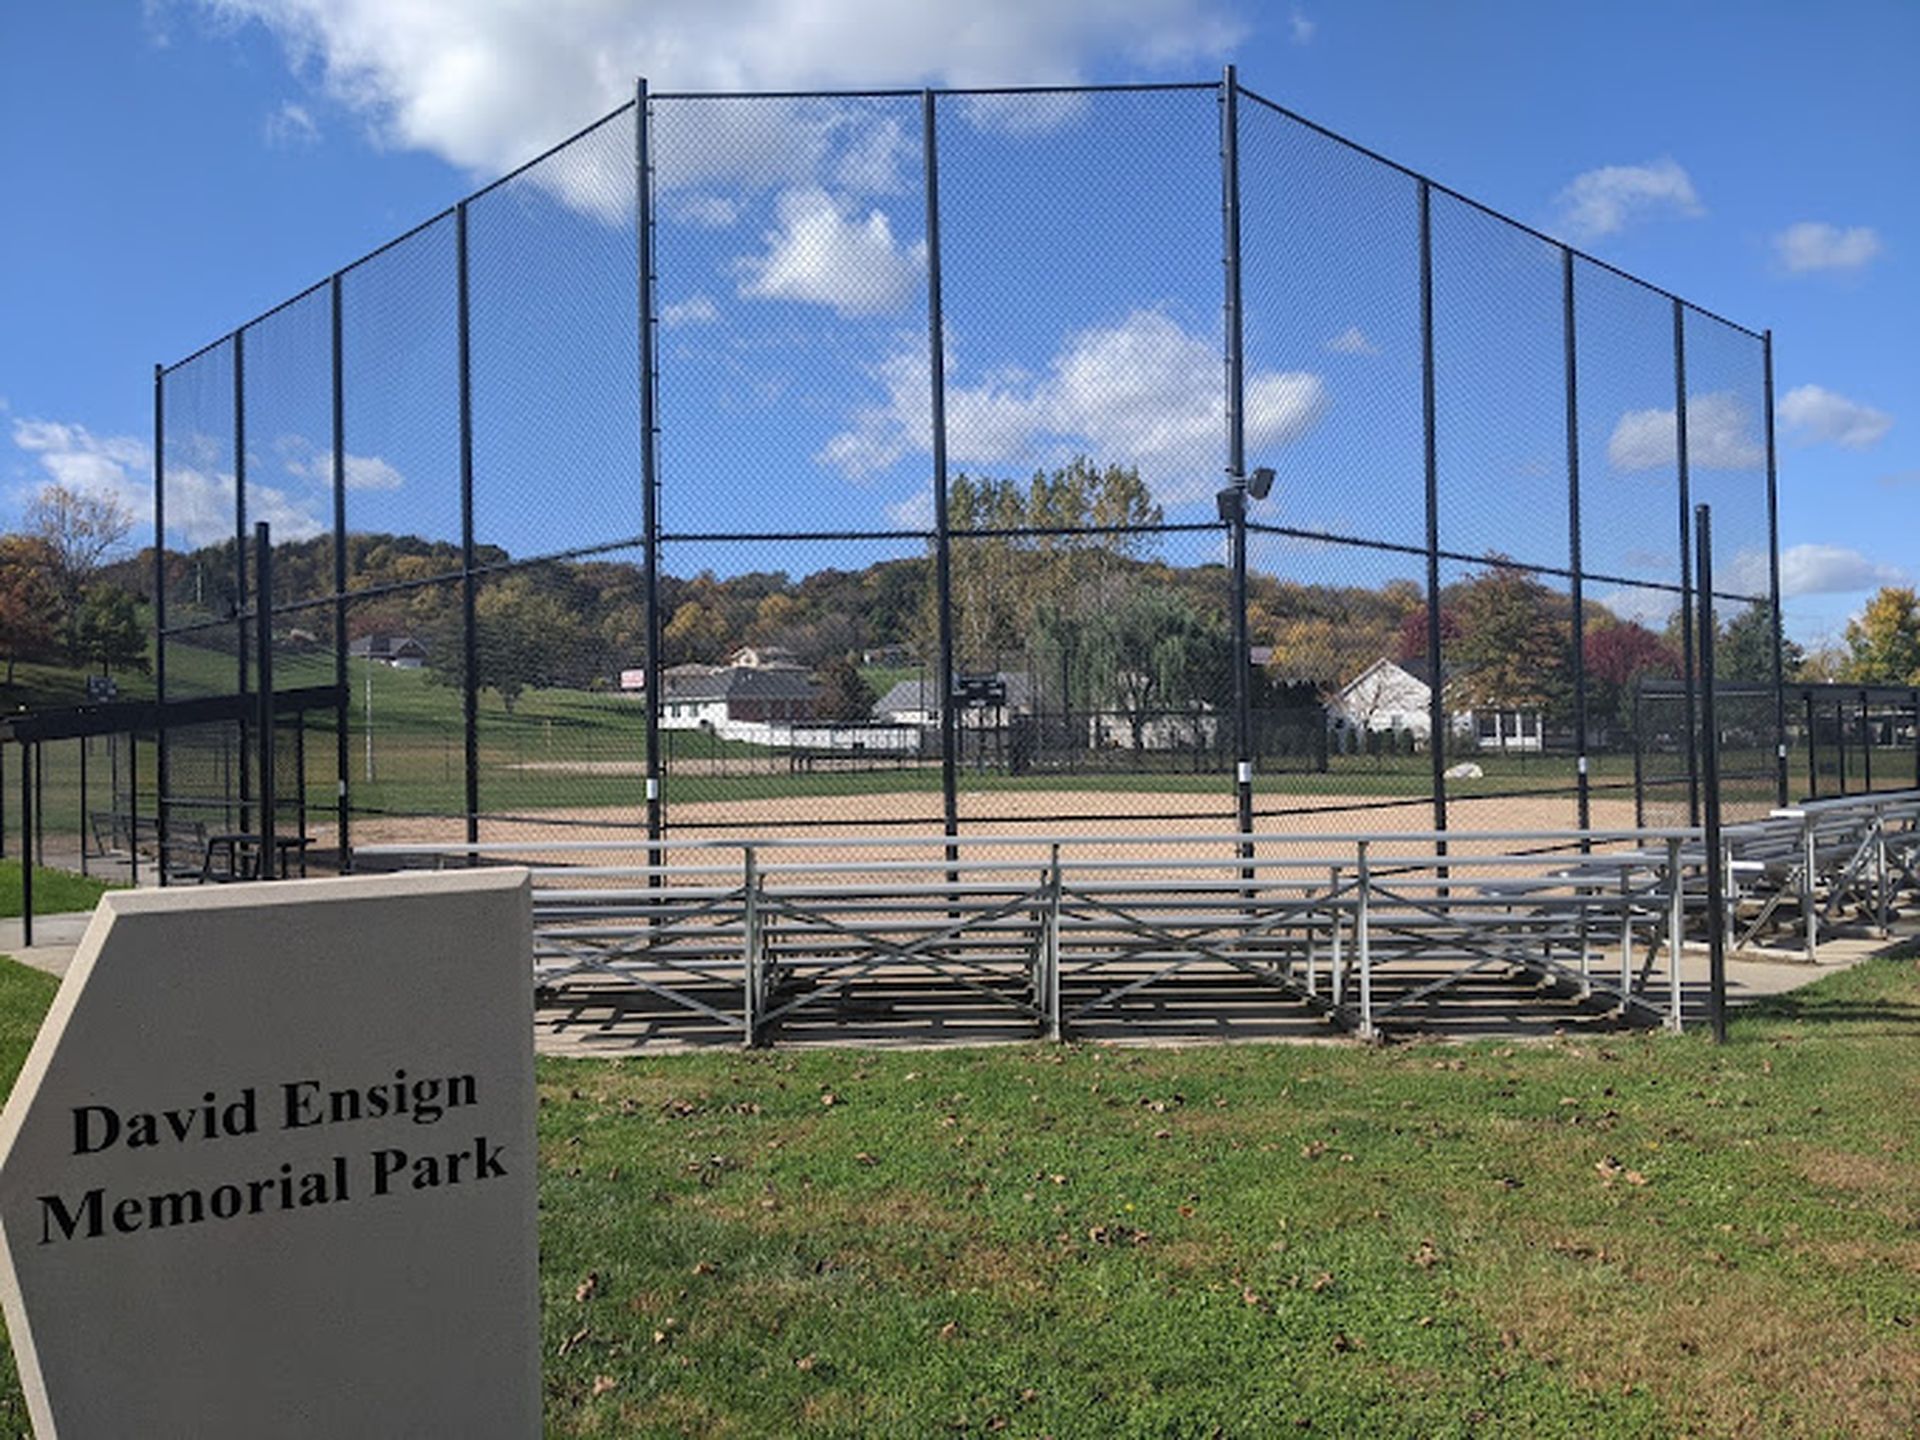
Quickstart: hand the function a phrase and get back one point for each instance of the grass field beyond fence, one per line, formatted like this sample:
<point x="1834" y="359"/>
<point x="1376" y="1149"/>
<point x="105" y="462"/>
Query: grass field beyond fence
<point x="1645" y="1236"/>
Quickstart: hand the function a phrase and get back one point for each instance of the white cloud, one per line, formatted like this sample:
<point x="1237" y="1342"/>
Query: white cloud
<point x="1352" y="341"/>
<point x="822" y="256"/>
<point x="1816" y="245"/>
<point x="1019" y="115"/>
<point x="694" y="310"/>
<point x="1816" y="570"/>
<point x="1648" y="607"/>
<point x="1722" y="434"/>
<point x="484" y="83"/>
<point x="290" y="127"/>
<point x="1300" y="29"/>
<point x="199" y="495"/>
<point x="1815" y="413"/>
<point x="1602" y="202"/>
<point x="1143" y="392"/>
<point x="710" y="212"/>
<point x="363" y="472"/>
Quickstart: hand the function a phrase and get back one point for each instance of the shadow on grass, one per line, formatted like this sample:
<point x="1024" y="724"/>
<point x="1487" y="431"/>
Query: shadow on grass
<point x="1879" y="997"/>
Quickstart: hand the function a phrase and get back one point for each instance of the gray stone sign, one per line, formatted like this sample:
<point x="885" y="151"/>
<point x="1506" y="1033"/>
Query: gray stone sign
<point x="270" y="1167"/>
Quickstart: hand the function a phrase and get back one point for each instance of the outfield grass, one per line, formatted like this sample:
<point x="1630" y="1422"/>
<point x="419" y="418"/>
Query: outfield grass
<point x="1645" y="1236"/>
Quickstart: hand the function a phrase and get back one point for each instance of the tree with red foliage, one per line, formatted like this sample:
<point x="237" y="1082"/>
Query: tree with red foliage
<point x="1413" y="632"/>
<point x="1617" y="657"/>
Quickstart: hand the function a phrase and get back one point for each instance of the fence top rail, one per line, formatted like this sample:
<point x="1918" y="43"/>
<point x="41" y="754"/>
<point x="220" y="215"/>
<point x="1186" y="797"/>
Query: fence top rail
<point x="1545" y="841"/>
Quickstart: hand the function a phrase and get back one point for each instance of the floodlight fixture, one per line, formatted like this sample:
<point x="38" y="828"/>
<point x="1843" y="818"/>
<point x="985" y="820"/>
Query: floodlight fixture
<point x="1260" y="482"/>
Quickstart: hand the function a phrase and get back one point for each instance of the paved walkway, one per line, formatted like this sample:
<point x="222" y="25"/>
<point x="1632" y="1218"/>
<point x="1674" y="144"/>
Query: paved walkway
<point x="619" y="1022"/>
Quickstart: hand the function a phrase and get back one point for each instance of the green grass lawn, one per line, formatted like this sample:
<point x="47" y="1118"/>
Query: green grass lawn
<point x="53" y="890"/>
<point x="1645" y="1236"/>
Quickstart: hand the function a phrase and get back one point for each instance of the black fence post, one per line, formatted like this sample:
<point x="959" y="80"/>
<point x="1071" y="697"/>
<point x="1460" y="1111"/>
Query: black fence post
<point x="1710" y="765"/>
<point x="1813" y="752"/>
<point x="263" y="668"/>
<point x="1689" y="598"/>
<point x="241" y="587"/>
<point x="82" y="742"/>
<point x="162" y="770"/>
<point x="342" y="751"/>
<point x="26" y="843"/>
<point x="942" y="531"/>
<point x="40" y="809"/>
<point x="1436" y="679"/>
<point x="469" y="582"/>
<point x="1866" y="746"/>
<point x="649" y="452"/>
<point x="1583" y="805"/>
<point x="1236" y="451"/>
<point x="1773" y="582"/>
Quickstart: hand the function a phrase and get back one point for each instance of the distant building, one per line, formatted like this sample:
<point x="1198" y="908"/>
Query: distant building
<point x="889" y="655"/>
<point x="402" y="652"/>
<point x="1395" y="696"/>
<point x="694" y="697"/>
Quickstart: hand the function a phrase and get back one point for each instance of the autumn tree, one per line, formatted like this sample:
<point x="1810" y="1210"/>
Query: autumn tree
<point x="1618" y="657"/>
<point x="1512" y="650"/>
<point x="81" y="531"/>
<point x="845" y="697"/>
<point x="29" y="599"/>
<point x="1883" y="644"/>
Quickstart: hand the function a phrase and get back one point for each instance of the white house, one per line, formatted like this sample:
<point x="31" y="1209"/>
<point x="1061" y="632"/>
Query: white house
<point x="1394" y="696"/>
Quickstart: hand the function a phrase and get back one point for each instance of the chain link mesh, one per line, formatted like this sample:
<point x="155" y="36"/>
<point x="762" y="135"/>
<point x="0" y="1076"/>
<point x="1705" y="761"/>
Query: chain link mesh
<point x="1088" y="417"/>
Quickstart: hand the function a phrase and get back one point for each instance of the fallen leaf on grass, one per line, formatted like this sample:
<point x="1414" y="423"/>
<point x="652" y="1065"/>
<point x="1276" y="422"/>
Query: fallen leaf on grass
<point x="704" y="1267"/>
<point x="805" y="1362"/>
<point x="1427" y="1255"/>
<point x="588" y="1287"/>
<point x="603" y="1383"/>
<point x="949" y="1330"/>
<point x="1320" y="1282"/>
<point x="567" y="1345"/>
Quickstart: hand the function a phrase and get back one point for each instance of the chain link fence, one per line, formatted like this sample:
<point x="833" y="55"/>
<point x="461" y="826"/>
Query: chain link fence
<point x="992" y="460"/>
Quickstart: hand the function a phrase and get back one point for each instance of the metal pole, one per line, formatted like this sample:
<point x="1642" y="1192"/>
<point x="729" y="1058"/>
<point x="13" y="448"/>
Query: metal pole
<point x="1773" y="586"/>
<point x="1639" y="769"/>
<point x="649" y="452"/>
<point x="40" y="808"/>
<point x="163" y="770"/>
<point x="1710" y="765"/>
<point x="342" y="764"/>
<point x="1866" y="747"/>
<point x="1687" y="587"/>
<point x="83" y="805"/>
<point x="943" y="538"/>
<point x="1813" y="753"/>
<point x="469" y="582"/>
<point x="1583" y="795"/>
<point x="26" y="843"/>
<point x="263" y="664"/>
<point x="1436" y="696"/>
<point x="1236" y="449"/>
<point x="240" y="560"/>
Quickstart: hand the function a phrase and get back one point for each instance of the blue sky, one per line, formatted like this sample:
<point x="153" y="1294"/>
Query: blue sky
<point x="181" y="166"/>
